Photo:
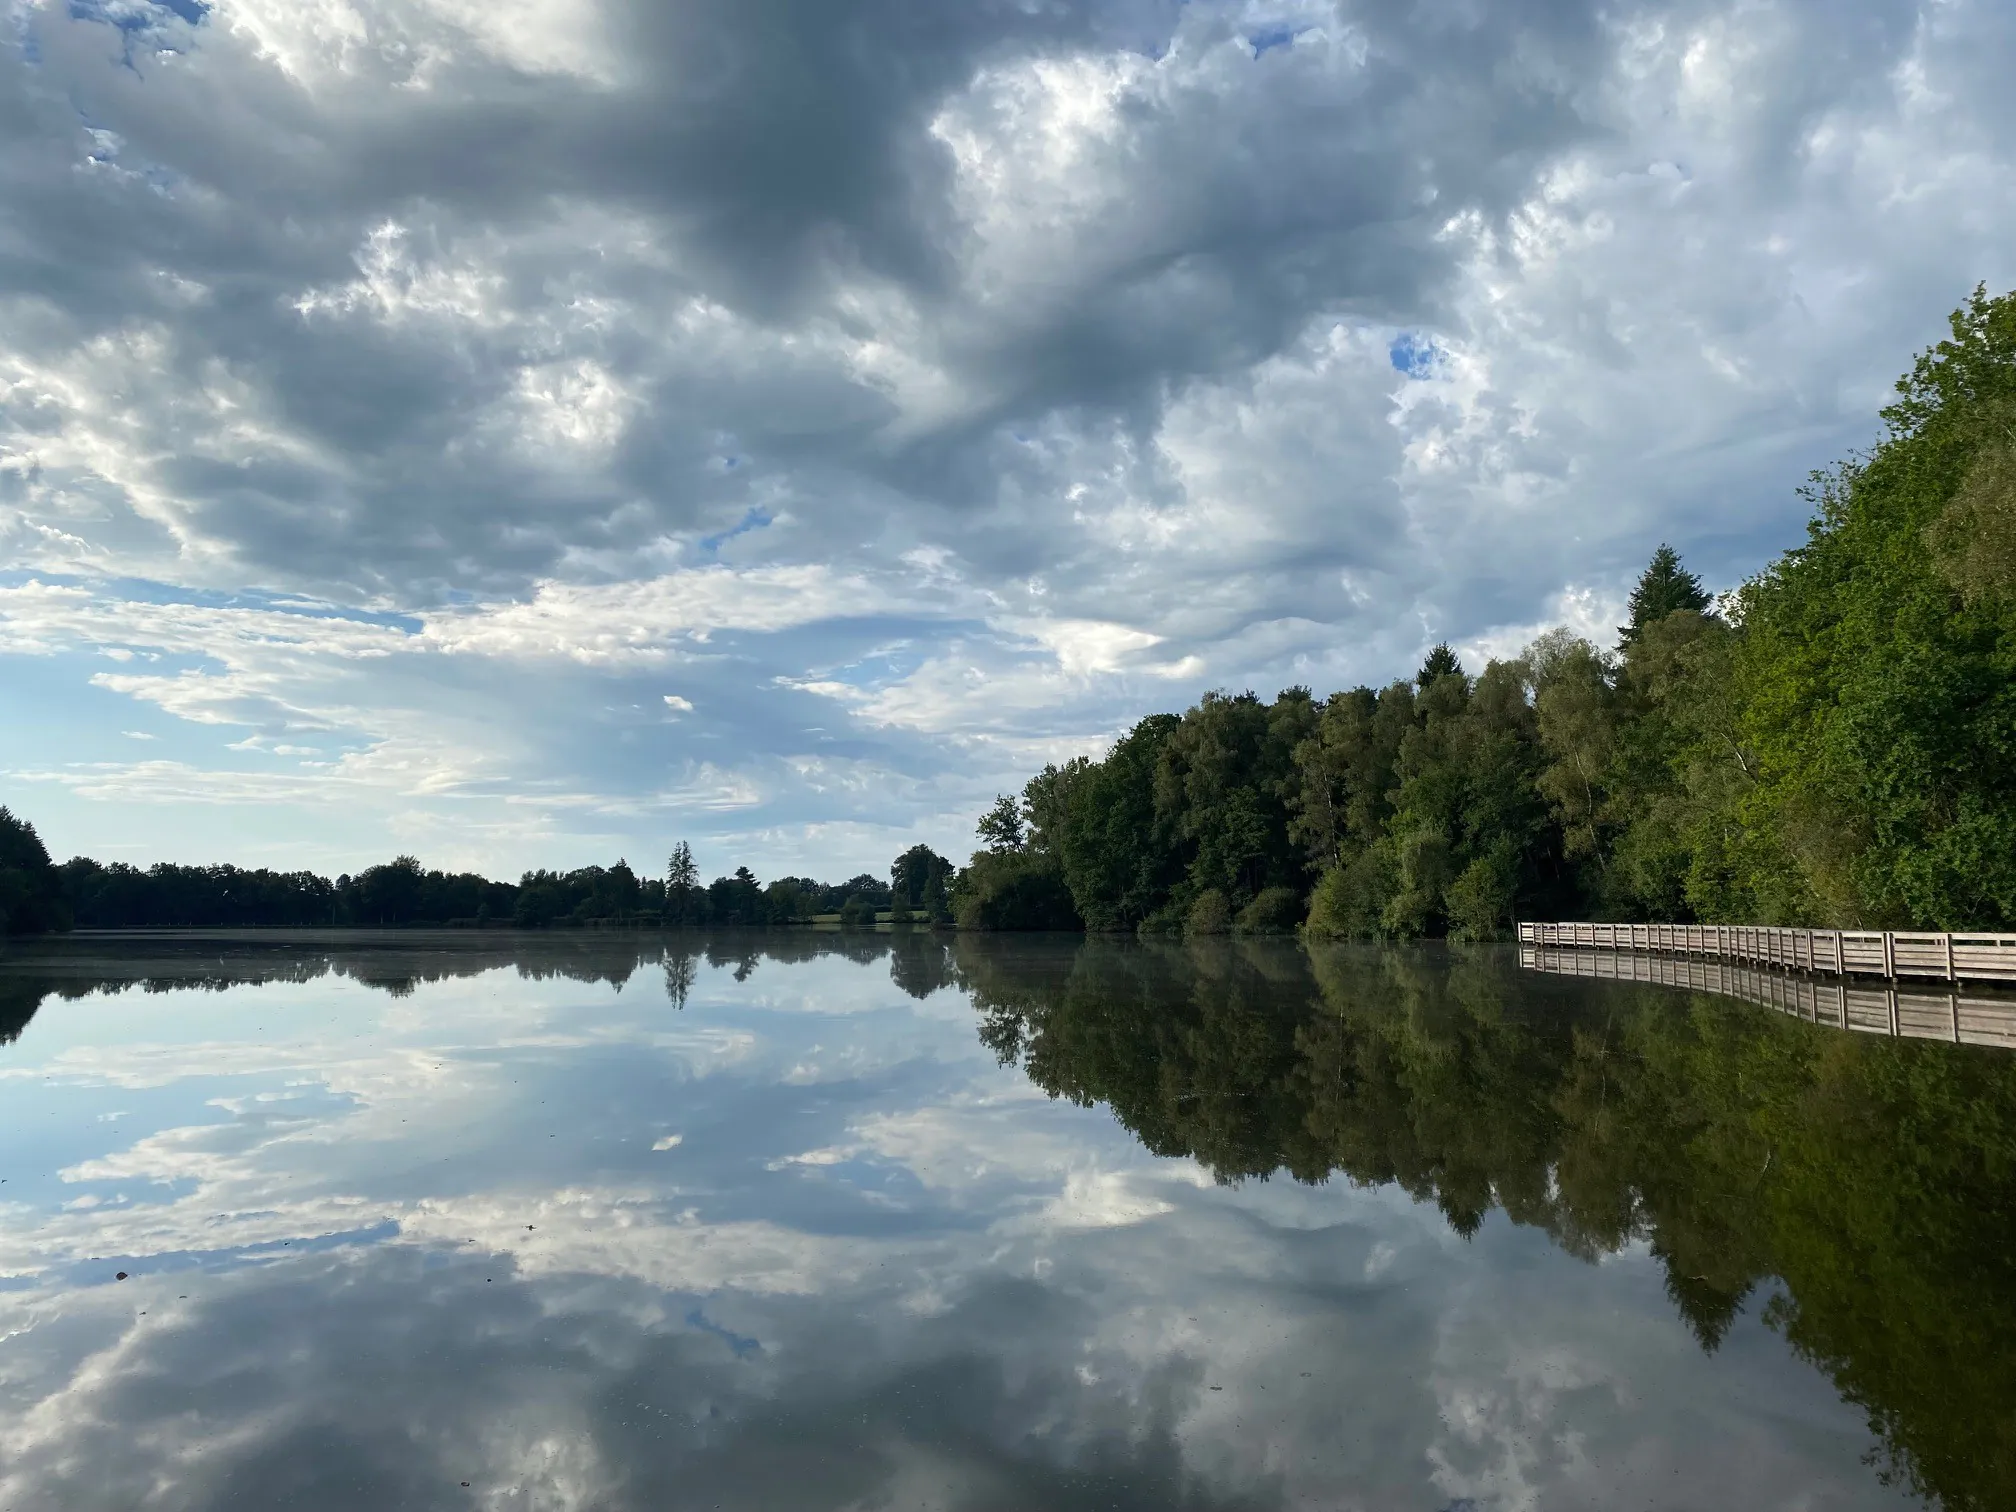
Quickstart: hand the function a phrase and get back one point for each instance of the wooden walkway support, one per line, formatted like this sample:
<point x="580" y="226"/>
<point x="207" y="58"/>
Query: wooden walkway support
<point x="1982" y="957"/>
<point x="1865" y="1007"/>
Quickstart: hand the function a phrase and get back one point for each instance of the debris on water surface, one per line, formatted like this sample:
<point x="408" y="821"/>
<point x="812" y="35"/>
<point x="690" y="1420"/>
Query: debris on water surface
<point x="120" y="1277"/>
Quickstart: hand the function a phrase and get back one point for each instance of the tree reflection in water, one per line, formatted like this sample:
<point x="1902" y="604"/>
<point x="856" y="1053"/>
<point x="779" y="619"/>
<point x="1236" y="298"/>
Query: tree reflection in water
<point x="1860" y="1191"/>
<point x="1864" y="1188"/>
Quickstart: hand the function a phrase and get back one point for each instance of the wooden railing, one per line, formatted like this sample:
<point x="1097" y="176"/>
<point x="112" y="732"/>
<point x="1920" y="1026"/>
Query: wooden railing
<point x="1843" y="1003"/>
<point x="1973" y="957"/>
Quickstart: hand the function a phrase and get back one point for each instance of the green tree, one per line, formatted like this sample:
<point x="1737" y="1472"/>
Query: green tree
<point x="1121" y="856"/>
<point x="737" y="899"/>
<point x="1001" y="826"/>
<point x="1441" y="663"/>
<point x="1878" y="697"/>
<point x="685" y="899"/>
<point x="389" y="894"/>
<point x="912" y="876"/>
<point x="31" y="889"/>
<point x="937" y="901"/>
<point x="1578" y="720"/>
<point x="1665" y="587"/>
<point x="1224" y="782"/>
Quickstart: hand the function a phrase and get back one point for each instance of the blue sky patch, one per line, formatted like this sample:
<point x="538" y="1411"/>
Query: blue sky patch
<point x="1264" y="42"/>
<point x="1415" y="355"/>
<point x="742" y="1346"/>
<point x="756" y="519"/>
<point x="138" y="15"/>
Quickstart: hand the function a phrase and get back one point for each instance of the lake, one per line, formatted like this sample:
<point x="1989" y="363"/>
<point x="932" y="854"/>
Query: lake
<point x="802" y="1220"/>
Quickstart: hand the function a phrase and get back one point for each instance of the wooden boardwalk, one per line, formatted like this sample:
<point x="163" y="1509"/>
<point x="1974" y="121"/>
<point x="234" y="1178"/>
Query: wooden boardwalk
<point x="1974" y="957"/>
<point x="1843" y="1002"/>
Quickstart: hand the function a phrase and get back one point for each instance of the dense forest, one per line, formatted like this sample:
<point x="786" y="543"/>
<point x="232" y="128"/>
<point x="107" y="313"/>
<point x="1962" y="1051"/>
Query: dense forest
<point x="1858" y="1192"/>
<point x="1832" y="744"/>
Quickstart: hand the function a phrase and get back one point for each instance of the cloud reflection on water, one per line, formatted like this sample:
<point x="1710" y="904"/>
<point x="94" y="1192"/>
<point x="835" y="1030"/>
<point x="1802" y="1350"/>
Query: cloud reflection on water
<point x="384" y="1244"/>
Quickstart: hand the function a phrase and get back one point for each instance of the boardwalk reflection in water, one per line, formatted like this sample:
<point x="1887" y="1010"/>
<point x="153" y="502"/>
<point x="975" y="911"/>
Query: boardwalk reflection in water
<point x="1911" y="1012"/>
<point x="677" y="1222"/>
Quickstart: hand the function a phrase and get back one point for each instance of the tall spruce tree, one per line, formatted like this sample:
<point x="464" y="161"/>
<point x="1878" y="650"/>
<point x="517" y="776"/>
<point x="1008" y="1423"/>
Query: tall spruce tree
<point x="1664" y="588"/>
<point x="1441" y="663"/>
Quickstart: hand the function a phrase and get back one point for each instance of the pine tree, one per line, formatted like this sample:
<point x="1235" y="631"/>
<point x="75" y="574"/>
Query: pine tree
<point x="1441" y="663"/>
<point x="1665" y="588"/>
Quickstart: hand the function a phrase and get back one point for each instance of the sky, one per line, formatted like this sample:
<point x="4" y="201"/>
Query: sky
<point x="531" y="432"/>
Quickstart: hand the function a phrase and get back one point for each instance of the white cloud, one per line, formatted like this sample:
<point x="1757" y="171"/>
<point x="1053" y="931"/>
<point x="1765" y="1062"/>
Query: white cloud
<point x="655" y="622"/>
<point x="433" y="376"/>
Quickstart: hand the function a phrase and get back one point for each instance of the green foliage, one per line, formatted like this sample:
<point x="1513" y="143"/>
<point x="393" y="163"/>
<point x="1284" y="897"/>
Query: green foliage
<point x="1278" y="910"/>
<point x="589" y="895"/>
<point x="1480" y="901"/>
<point x="1014" y="890"/>
<point x="1350" y="899"/>
<point x="1840" y="750"/>
<point x="738" y="900"/>
<point x="1876" y="694"/>
<point x="1223" y="781"/>
<point x="790" y="900"/>
<point x="402" y="893"/>
<point x="1441" y="663"/>
<point x="1000" y="827"/>
<point x="1664" y="588"/>
<point x="1211" y="914"/>
<point x="685" y="900"/>
<point x="919" y="885"/>
<point x="1121" y="856"/>
<point x="1973" y="539"/>
<point x="31" y="890"/>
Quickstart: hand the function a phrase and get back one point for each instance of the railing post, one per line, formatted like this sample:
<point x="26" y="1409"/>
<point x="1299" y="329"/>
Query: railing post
<point x="1889" y="956"/>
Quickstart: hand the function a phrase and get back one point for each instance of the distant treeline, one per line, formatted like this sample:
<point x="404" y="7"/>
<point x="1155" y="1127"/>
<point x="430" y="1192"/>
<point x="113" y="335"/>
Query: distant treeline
<point x="37" y="896"/>
<point x="1832" y="744"/>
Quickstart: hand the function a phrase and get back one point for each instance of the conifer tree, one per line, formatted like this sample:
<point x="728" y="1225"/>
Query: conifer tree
<point x="1664" y="588"/>
<point x="1441" y="663"/>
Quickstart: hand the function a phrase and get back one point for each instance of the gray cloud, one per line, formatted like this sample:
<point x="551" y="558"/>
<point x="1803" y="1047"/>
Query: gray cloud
<point x="1104" y="352"/>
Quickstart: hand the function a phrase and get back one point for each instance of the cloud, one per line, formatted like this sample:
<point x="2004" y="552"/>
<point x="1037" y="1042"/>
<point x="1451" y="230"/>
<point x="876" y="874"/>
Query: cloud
<point x="927" y="388"/>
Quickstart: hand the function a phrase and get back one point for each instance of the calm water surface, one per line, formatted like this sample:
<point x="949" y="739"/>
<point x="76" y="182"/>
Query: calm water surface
<point x="806" y="1221"/>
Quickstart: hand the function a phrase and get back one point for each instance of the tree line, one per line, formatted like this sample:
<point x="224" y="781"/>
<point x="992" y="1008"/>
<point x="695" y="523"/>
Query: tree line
<point x="1832" y="744"/>
<point x="38" y="896"/>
